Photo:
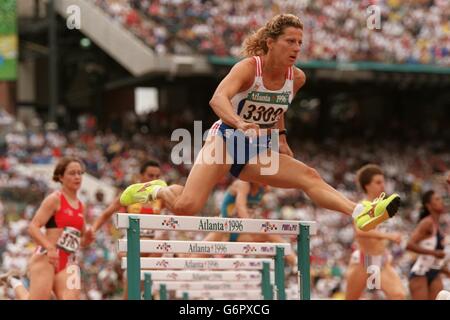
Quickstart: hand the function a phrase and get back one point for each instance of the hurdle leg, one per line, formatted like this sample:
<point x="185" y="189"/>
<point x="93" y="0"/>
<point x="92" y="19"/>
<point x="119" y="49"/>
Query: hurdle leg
<point x="279" y="274"/>
<point x="303" y="256"/>
<point x="148" y="287"/>
<point x="267" y="290"/>
<point x="133" y="259"/>
<point x="162" y="292"/>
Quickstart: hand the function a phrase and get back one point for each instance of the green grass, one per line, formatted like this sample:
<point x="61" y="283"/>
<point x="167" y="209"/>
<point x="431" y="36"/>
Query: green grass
<point x="8" y="70"/>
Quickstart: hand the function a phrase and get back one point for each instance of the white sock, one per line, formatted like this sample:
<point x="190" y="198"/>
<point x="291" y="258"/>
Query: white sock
<point x="357" y="211"/>
<point x="155" y="192"/>
<point x="443" y="295"/>
<point x="15" y="282"/>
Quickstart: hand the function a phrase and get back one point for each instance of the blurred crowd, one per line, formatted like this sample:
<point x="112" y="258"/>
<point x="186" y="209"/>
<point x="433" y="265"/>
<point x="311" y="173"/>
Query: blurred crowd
<point x="115" y="159"/>
<point x="414" y="31"/>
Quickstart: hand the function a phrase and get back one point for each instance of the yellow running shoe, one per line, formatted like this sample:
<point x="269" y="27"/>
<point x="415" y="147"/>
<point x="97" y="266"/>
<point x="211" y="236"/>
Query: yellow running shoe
<point x="377" y="211"/>
<point x="140" y="192"/>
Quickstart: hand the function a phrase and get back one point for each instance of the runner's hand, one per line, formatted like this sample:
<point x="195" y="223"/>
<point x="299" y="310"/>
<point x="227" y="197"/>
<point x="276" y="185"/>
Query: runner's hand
<point x="53" y="256"/>
<point x="396" y="237"/>
<point x="88" y="237"/>
<point x="285" y="149"/>
<point x="249" y="129"/>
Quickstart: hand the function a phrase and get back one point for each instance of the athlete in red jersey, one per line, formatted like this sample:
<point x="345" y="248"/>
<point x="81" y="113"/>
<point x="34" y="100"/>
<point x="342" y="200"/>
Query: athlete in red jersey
<point x="53" y="268"/>
<point x="71" y="220"/>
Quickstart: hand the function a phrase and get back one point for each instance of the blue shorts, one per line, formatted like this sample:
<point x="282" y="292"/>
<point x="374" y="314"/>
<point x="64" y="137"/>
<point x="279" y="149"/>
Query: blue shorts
<point x="240" y="147"/>
<point x="430" y="275"/>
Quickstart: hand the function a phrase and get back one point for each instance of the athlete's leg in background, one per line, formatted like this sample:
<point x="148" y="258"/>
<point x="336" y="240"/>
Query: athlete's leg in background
<point x="67" y="284"/>
<point x="356" y="281"/>
<point x="418" y="286"/>
<point x="21" y="293"/>
<point x="41" y="274"/>
<point x="391" y="284"/>
<point x="435" y="287"/>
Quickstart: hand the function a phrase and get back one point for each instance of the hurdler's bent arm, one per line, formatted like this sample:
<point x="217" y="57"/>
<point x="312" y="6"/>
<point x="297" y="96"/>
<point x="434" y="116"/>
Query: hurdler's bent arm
<point x="423" y="231"/>
<point x="106" y="214"/>
<point x="238" y="79"/>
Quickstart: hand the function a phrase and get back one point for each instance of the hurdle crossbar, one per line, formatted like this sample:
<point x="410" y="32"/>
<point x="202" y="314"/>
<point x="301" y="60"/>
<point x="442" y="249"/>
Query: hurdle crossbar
<point x="221" y="295"/>
<point x="190" y="275"/>
<point x="202" y="263"/>
<point x="227" y="294"/>
<point x="133" y="246"/>
<point x="209" y="285"/>
<point x="206" y="247"/>
<point x="213" y="224"/>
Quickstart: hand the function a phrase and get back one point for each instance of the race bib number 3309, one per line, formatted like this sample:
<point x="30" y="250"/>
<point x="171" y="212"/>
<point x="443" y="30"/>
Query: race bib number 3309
<point x="264" y="108"/>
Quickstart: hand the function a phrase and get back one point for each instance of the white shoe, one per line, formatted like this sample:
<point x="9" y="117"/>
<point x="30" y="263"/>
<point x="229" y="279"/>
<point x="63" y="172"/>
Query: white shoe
<point x="4" y="278"/>
<point x="443" y="295"/>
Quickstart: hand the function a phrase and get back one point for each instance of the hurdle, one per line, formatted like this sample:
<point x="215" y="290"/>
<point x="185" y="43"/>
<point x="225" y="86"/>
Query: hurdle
<point x="208" y="285"/>
<point x="199" y="264"/>
<point x="133" y="223"/>
<point x="234" y="294"/>
<point x="193" y="275"/>
<point x="175" y="246"/>
<point x="149" y="284"/>
<point x="221" y="295"/>
<point x="208" y="247"/>
<point x="202" y="263"/>
<point x="230" y="281"/>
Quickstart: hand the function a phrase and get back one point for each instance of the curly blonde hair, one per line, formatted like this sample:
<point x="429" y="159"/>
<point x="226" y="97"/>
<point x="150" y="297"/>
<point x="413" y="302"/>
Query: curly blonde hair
<point x="256" y="44"/>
